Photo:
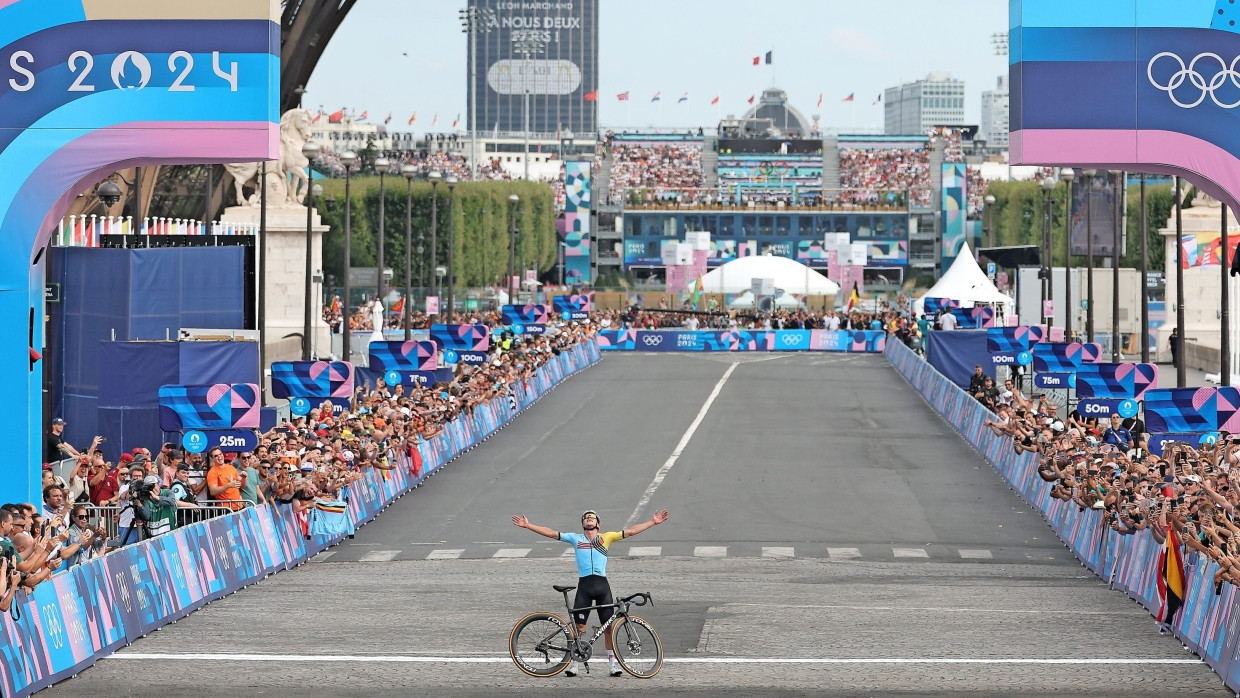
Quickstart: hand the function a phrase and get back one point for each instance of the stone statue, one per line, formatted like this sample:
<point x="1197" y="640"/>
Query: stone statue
<point x="287" y="177"/>
<point x="376" y="321"/>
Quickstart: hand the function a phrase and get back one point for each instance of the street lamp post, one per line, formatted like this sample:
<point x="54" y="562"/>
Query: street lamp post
<point x="451" y="182"/>
<point x="1145" y="264"/>
<point x="512" y="244"/>
<point x="408" y="171"/>
<point x="1067" y="174"/>
<point x="311" y="151"/>
<point x="381" y="165"/>
<point x="434" y="178"/>
<point x="1177" y="351"/>
<point x="1089" y="254"/>
<point x="528" y="46"/>
<point x="348" y="158"/>
<point x="1048" y="187"/>
<point x="474" y="21"/>
<point x="990" y="220"/>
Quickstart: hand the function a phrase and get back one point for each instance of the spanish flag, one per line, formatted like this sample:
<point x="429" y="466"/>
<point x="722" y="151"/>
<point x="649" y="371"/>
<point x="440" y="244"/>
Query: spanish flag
<point x="1170" y="580"/>
<point x="853" y="297"/>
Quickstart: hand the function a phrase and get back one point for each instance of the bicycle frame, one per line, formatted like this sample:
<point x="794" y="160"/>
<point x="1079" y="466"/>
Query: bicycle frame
<point x="622" y="612"/>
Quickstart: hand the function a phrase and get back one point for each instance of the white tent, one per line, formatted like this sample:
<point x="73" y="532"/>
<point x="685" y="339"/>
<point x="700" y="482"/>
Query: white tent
<point x="965" y="281"/>
<point x="790" y="275"/>
<point x="783" y="300"/>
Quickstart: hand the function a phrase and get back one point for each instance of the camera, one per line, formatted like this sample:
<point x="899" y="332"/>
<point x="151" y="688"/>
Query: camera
<point x="140" y="490"/>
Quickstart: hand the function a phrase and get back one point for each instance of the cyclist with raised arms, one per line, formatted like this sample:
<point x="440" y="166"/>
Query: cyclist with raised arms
<point x="592" y="587"/>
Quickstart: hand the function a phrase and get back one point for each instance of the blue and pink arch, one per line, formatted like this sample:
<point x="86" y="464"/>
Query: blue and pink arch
<point x="1140" y="85"/>
<point x="88" y="87"/>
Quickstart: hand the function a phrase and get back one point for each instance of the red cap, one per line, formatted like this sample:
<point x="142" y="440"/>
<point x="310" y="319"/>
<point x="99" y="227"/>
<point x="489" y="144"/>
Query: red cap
<point x="47" y="466"/>
<point x="126" y="458"/>
<point x="136" y="451"/>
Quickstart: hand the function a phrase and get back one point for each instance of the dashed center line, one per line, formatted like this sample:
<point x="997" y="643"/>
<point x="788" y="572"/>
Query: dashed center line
<point x="511" y="552"/>
<point x="452" y="554"/>
<point x="909" y="552"/>
<point x="650" y="551"/>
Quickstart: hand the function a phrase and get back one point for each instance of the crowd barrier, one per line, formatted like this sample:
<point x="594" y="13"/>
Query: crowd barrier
<point x="862" y="341"/>
<point x="1208" y="623"/>
<point x="90" y="610"/>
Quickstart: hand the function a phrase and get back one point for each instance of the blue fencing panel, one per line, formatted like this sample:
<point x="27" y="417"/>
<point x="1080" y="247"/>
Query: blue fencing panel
<point x="955" y="353"/>
<point x="177" y="287"/>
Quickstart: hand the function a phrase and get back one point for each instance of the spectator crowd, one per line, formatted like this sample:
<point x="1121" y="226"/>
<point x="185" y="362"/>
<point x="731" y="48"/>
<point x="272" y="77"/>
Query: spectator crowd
<point x="654" y="165"/>
<point x="92" y="505"/>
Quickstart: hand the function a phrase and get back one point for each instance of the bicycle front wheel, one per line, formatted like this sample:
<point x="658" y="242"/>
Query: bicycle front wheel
<point x="637" y="647"/>
<point x="539" y="644"/>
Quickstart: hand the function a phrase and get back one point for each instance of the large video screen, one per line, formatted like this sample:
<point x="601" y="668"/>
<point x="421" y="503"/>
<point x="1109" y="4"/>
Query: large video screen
<point x="558" y="77"/>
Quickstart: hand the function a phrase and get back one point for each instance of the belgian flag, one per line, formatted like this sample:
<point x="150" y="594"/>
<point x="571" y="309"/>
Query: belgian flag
<point x="1171" y="579"/>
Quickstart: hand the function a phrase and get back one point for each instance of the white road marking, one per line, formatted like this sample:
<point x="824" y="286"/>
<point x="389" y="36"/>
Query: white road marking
<point x="650" y="551"/>
<point x="380" y="556"/>
<point x="843" y="553"/>
<point x="710" y="551"/>
<point x="511" y="552"/>
<point x="778" y="552"/>
<point x="680" y="447"/>
<point x="568" y="552"/>
<point x="445" y="554"/>
<point x="909" y="552"/>
<point x="322" y="557"/>
<point x="495" y="659"/>
<point x="975" y="554"/>
<point x="932" y="609"/>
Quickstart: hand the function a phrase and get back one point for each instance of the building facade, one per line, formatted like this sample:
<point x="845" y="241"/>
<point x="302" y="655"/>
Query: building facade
<point x="546" y="49"/>
<point x="917" y="107"/>
<point x="994" y="127"/>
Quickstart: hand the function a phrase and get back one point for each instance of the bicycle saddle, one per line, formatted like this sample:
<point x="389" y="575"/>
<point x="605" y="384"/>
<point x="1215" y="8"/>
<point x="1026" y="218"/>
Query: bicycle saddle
<point x="562" y="589"/>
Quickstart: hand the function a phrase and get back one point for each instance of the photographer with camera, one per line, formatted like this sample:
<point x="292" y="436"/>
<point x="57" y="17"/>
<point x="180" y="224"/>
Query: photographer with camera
<point x="129" y="529"/>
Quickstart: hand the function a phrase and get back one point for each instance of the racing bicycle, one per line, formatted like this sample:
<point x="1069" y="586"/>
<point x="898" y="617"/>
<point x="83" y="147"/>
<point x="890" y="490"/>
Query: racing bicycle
<point x="543" y="644"/>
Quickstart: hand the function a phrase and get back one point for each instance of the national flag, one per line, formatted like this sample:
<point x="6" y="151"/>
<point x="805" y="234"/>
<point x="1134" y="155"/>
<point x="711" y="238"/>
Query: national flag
<point x="877" y="100"/>
<point x="336" y="304"/>
<point x="398" y="307"/>
<point x="751" y="98"/>
<point x="853" y="297"/>
<point x="623" y="96"/>
<point x="435" y="119"/>
<point x="330" y="518"/>
<point x="336" y="116"/>
<point x="1170" y="580"/>
<point x="365" y="113"/>
<point x="591" y="96"/>
<point x="413" y="118"/>
<point x="683" y="98"/>
<point x="388" y="120"/>
<point x="769" y="55"/>
<point x="757" y="60"/>
<point x="697" y="291"/>
<point x="715" y="100"/>
<point x="495" y="131"/>
<point x="316" y="118"/>
<point x="657" y="96"/>
<point x="456" y="121"/>
<point x="849" y="98"/>
<point x="820" y="99"/>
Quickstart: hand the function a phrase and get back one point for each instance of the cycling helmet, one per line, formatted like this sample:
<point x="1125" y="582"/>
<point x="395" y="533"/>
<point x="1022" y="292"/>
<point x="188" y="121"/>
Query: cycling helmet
<point x="589" y="512"/>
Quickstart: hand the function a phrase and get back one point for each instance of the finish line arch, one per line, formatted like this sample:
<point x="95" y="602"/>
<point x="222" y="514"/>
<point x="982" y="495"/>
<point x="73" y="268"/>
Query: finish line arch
<point x="1137" y="85"/>
<point x="88" y="87"/>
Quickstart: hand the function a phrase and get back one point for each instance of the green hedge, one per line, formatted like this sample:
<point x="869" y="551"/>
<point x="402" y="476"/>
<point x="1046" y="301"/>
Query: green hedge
<point x="482" y="224"/>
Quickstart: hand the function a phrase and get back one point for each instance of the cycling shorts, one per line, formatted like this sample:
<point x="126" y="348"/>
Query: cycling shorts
<point x="593" y="590"/>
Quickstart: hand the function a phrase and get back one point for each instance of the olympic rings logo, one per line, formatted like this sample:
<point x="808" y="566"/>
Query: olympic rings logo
<point x="652" y="340"/>
<point x="1188" y="73"/>
<point x="790" y="340"/>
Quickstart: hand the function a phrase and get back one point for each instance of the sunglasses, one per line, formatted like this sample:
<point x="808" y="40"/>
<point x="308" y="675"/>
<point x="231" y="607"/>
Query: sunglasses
<point x="81" y="517"/>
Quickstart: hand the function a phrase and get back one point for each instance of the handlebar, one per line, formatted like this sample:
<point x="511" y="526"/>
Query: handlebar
<point x="644" y="596"/>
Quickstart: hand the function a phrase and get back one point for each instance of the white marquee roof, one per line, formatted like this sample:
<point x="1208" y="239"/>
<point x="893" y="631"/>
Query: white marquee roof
<point x="965" y="281"/>
<point x="790" y="275"/>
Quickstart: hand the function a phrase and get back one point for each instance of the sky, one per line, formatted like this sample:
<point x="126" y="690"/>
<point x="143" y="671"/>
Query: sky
<point x="402" y="56"/>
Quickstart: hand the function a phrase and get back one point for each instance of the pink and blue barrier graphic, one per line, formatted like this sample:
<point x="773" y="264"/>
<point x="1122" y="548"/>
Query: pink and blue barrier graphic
<point x="528" y="316"/>
<point x="219" y="406"/>
<point x="1011" y="340"/>
<point x="311" y="379"/>
<point x="1124" y="380"/>
<point x="1209" y="624"/>
<point x="859" y="341"/>
<point x="576" y="306"/>
<point x="1192" y="409"/>
<point x="1064" y="358"/>
<point x="403" y="356"/>
<point x="461" y="337"/>
<point x="90" y="610"/>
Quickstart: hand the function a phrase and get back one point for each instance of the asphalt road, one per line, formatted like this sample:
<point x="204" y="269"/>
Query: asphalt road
<point x="829" y="535"/>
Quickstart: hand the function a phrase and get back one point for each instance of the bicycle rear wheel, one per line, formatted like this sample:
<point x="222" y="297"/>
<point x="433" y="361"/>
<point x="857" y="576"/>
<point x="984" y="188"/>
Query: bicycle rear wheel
<point x="539" y="644"/>
<point x="637" y="647"/>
